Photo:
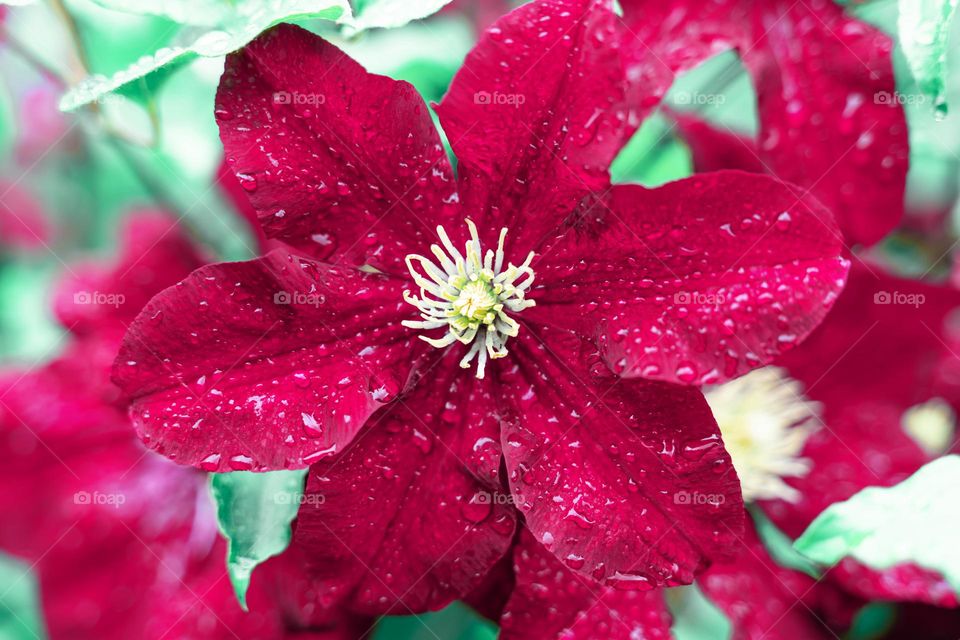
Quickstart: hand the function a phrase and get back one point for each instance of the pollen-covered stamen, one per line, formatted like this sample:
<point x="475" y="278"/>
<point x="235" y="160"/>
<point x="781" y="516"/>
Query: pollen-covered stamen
<point x="469" y="295"/>
<point x="765" y="421"/>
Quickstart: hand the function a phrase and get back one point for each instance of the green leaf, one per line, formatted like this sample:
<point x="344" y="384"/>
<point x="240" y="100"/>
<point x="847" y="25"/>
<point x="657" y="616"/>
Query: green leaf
<point x="779" y="546"/>
<point x="924" y="28"/>
<point x="208" y="13"/>
<point x="695" y="617"/>
<point x="254" y="511"/>
<point x="246" y="20"/>
<point x="385" y="14"/>
<point x="873" y="621"/>
<point x="914" y="522"/>
<point x="20" y="615"/>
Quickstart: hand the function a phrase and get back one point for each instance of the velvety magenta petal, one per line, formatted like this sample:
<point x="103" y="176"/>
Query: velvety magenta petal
<point x="405" y="519"/>
<point x="340" y="163"/>
<point x="695" y="282"/>
<point x="714" y="149"/>
<point x="268" y="364"/>
<point x="536" y="115"/>
<point x="550" y="602"/>
<point x="875" y="356"/>
<point x="830" y="118"/>
<point x="102" y="300"/>
<point x="762" y="599"/>
<point x="626" y="481"/>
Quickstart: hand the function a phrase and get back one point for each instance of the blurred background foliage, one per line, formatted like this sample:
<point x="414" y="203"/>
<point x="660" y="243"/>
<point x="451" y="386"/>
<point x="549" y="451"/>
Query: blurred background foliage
<point x="70" y="178"/>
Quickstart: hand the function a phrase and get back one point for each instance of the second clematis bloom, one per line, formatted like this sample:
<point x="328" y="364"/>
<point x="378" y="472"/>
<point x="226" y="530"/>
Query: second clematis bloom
<point x="416" y="332"/>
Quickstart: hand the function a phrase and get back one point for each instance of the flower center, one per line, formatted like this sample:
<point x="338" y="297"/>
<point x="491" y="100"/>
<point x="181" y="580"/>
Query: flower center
<point x="765" y="421"/>
<point x="931" y="425"/>
<point x="470" y="295"/>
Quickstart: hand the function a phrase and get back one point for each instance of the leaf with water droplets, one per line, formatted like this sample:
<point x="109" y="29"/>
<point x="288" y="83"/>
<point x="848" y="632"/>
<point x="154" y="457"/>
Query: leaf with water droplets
<point x="913" y="522"/>
<point x="924" y="30"/>
<point x="385" y="14"/>
<point x="234" y="30"/>
<point x="254" y="511"/>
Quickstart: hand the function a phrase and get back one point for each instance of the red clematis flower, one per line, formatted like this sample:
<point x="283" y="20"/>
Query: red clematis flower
<point x="124" y="543"/>
<point x="562" y="295"/>
<point x="830" y="120"/>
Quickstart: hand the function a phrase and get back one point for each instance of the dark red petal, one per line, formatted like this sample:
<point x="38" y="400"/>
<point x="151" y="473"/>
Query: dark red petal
<point x="714" y="149"/>
<point x="550" y="602"/>
<point x="340" y="163"/>
<point x="406" y="519"/>
<point x="694" y="282"/>
<point x="536" y="115"/>
<point x="876" y="355"/>
<point x="268" y="364"/>
<point x="830" y="120"/>
<point x="155" y="253"/>
<point x="762" y="599"/>
<point x="623" y="480"/>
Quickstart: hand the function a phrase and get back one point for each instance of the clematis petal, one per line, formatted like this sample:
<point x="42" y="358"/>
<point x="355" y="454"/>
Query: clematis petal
<point x="830" y="118"/>
<point x="741" y="271"/>
<point x="406" y="518"/>
<point x="551" y="602"/>
<point x="338" y="162"/>
<point x="536" y="115"/>
<point x="24" y="224"/>
<point x="873" y="359"/>
<point x="156" y="253"/>
<point x="626" y="481"/>
<point x="761" y="598"/>
<point x="267" y="364"/>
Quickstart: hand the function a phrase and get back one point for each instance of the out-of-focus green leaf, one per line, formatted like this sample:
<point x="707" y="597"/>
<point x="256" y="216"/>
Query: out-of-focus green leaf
<point x="372" y="14"/>
<point x="872" y="621"/>
<point x="913" y="522"/>
<point x="779" y="546"/>
<point x="206" y="13"/>
<point x="456" y="622"/>
<point x="924" y="28"/>
<point x="20" y="615"/>
<point x="8" y="125"/>
<point x="695" y="617"/>
<point x="254" y="511"/>
<point x="247" y="20"/>
<point x="652" y="157"/>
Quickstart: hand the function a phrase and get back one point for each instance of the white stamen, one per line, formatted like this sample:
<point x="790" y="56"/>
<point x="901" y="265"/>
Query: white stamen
<point x="765" y="421"/>
<point x="470" y="294"/>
